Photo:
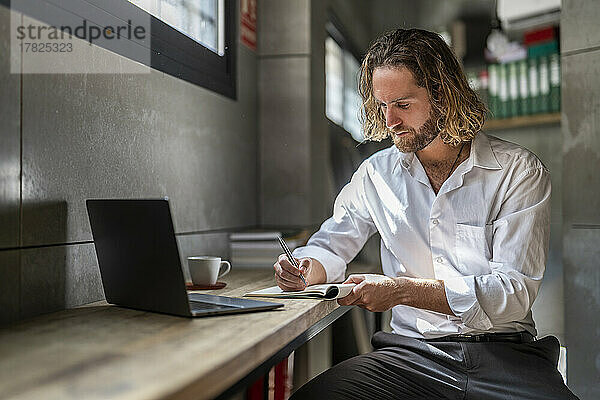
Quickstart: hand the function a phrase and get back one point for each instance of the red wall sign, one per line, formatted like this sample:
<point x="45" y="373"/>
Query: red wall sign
<point x="248" y="23"/>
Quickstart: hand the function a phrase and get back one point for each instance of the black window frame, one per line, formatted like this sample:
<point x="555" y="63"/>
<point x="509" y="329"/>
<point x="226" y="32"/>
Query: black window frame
<point x="175" y="53"/>
<point x="335" y="30"/>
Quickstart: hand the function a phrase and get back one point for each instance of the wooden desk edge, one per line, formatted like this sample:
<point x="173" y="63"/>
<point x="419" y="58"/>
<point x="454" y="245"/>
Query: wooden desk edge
<point x="259" y="367"/>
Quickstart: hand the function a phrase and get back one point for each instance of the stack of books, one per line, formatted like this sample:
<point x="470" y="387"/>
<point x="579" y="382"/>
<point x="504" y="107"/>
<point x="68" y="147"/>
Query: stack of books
<point x="258" y="249"/>
<point x="530" y="85"/>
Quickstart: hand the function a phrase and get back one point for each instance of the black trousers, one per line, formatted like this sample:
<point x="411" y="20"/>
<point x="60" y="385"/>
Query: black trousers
<point x="407" y="368"/>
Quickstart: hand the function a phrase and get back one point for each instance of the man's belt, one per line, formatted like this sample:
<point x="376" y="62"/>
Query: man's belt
<point x="516" y="337"/>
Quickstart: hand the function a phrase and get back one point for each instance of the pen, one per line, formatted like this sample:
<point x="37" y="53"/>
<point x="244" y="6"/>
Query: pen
<point x="288" y="253"/>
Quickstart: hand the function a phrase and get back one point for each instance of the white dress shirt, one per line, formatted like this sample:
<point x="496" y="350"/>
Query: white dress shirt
<point x="485" y="234"/>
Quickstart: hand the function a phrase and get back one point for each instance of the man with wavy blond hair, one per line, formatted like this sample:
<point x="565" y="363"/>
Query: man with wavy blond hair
<point x="464" y="220"/>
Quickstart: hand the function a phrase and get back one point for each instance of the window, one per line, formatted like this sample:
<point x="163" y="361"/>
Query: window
<point x="342" y="101"/>
<point x="193" y="40"/>
<point x="334" y="81"/>
<point x="201" y="20"/>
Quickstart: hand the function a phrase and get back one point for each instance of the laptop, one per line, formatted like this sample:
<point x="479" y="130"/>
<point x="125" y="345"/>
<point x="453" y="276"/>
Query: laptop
<point x="140" y="265"/>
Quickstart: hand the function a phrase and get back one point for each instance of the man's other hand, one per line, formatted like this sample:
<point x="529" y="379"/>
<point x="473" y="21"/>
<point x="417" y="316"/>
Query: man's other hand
<point x="372" y="292"/>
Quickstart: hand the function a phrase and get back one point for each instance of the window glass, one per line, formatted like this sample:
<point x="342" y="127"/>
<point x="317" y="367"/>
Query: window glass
<point x="201" y="20"/>
<point x="334" y="81"/>
<point x="352" y="100"/>
<point x="342" y="101"/>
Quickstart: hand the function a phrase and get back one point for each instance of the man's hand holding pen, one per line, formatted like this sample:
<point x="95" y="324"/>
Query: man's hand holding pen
<point x="288" y="276"/>
<point x="294" y="274"/>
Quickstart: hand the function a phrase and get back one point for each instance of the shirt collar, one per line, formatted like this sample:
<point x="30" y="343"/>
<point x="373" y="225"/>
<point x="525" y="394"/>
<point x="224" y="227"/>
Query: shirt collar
<point x="404" y="159"/>
<point x="481" y="155"/>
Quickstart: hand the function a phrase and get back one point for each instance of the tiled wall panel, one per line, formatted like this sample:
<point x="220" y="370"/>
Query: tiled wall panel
<point x="284" y="27"/>
<point x="58" y="277"/>
<point x="10" y="147"/>
<point x="581" y="141"/>
<point x="136" y="136"/>
<point x="10" y="285"/>
<point x="579" y="25"/>
<point x="285" y="140"/>
<point x="582" y="307"/>
<point x="581" y="194"/>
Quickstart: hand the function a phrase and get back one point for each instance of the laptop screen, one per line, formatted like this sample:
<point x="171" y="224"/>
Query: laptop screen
<point x="138" y="255"/>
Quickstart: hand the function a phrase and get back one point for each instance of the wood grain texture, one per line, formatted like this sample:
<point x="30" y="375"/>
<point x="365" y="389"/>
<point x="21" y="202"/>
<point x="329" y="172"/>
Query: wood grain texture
<point x="101" y="351"/>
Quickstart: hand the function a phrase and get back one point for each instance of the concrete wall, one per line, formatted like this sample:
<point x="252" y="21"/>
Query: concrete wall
<point x="69" y="137"/>
<point x="289" y="127"/>
<point x="580" y="57"/>
<point x="296" y="173"/>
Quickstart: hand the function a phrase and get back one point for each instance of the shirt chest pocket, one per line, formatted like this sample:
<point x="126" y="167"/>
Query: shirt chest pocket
<point x="472" y="248"/>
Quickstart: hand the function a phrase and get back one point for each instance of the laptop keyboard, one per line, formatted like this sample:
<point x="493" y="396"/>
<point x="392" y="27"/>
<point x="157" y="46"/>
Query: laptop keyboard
<point x="204" y="306"/>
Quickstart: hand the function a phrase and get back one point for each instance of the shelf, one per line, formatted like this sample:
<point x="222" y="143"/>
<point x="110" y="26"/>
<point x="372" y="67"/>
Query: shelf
<point x="518" y="122"/>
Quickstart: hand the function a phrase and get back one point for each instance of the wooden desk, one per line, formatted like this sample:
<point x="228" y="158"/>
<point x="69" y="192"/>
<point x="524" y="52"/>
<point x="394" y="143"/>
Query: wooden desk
<point x="103" y="352"/>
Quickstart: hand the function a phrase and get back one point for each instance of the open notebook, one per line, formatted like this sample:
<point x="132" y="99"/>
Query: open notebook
<point x="327" y="291"/>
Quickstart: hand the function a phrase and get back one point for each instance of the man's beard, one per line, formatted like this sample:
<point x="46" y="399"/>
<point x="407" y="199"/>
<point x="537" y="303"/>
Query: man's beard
<point x="416" y="140"/>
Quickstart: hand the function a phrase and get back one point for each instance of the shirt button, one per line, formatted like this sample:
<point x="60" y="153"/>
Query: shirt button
<point x="439" y="260"/>
<point x="435" y="221"/>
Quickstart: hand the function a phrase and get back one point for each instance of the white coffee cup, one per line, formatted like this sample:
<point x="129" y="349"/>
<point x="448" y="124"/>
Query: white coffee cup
<point x="205" y="270"/>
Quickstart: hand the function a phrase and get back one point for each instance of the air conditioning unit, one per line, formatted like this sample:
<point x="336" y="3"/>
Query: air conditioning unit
<point x="517" y="15"/>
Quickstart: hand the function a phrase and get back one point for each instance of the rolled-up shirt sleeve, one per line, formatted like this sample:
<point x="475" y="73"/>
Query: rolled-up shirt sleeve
<point x="520" y="240"/>
<point x="342" y="236"/>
